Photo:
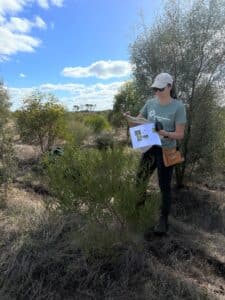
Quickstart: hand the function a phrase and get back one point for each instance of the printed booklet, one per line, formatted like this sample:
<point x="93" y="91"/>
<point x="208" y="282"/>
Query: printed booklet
<point x="143" y="137"/>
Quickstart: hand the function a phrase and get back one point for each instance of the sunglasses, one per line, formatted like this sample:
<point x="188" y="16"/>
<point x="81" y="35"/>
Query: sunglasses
<point x="158" y="89"/>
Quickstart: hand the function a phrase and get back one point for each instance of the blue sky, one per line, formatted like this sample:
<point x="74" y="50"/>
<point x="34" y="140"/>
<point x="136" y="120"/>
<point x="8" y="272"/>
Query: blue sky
<point x="75" y="49"/>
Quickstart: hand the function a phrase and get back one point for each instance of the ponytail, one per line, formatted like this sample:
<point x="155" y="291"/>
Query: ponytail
<point x="173" y="93"/>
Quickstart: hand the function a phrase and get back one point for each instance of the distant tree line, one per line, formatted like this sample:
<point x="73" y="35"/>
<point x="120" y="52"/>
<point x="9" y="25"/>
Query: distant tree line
<point x="84" y="107"/>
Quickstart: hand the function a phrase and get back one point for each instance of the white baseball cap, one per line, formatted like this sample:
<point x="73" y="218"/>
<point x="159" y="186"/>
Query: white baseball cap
<point x="162" y="80"/>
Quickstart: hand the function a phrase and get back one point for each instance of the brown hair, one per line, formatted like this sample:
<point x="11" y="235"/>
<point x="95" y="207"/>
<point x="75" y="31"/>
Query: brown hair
<point x="173" y="93"/>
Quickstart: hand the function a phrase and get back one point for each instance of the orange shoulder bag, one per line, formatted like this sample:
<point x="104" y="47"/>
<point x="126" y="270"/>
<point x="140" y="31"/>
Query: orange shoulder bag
<point x="172" y="156"/>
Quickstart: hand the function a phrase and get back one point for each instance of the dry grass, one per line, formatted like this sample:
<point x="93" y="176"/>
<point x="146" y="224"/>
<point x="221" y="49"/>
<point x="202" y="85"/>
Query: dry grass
<point x="42" y="257"/>
<point x="41" y="260"/>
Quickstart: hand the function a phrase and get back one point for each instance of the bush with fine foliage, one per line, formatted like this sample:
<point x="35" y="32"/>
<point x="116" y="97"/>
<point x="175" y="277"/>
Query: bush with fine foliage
<point x="100" y="185"/>
<point x="78" y="132"/>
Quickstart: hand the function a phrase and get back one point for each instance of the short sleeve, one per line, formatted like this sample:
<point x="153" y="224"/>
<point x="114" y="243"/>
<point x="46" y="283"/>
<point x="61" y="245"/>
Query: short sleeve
<point x="180" y="117"/>
<point x="144" y="111"/>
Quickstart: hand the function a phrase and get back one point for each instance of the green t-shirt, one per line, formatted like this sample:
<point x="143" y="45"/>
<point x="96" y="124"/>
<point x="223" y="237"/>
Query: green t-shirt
<point x="169" y="115"/>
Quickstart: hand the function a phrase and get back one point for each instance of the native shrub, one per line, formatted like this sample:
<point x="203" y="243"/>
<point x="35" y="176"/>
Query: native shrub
<point x="100" y="185"/>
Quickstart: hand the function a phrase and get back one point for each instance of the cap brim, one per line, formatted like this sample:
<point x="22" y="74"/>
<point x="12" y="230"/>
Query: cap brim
<point x="157" y="85"/>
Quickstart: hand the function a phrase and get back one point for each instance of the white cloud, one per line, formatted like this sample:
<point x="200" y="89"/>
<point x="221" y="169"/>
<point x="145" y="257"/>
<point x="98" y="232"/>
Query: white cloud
<point x="18" y="25"/>
<point x="15" y="6"/>
<point x="43" y="3"/>
<point x="100" y="69"/>
<point x="23" y="25"/>
<point x="46" y="3"/>
<point x="14" y="36"/>
<point x="17" y="95"/>
<point x="10" y="42"/>
<point x="69" y="87"/>
<point x="15" y="32"/>
<point x="83" y="89"/>
<point x="12" y="6"/>
<point x="70" y="94"/>
<point x="22" y="75"/>
<point x="2" y="19"/>
<point x="39" y="23"/>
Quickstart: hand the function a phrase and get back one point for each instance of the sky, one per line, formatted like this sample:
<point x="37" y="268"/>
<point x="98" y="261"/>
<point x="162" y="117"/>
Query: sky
<point x="77" y="50"/>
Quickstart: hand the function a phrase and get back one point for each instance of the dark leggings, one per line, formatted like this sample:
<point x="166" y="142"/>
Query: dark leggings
<point x="151" y="160"/>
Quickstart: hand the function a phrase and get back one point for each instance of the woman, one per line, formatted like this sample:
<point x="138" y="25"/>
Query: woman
<point x="170" y="112"/>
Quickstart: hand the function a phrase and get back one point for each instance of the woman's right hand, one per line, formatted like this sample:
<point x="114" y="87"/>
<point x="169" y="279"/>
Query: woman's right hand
<point x="126" y="114"/>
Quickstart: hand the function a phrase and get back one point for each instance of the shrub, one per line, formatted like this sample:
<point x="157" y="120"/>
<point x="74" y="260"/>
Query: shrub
<point x="104" y="140"/>
<point x="78" y="132"/>
<point x="97" y="122"/>
<point x="100" y="185"/>
<point x="41" y="120"/>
